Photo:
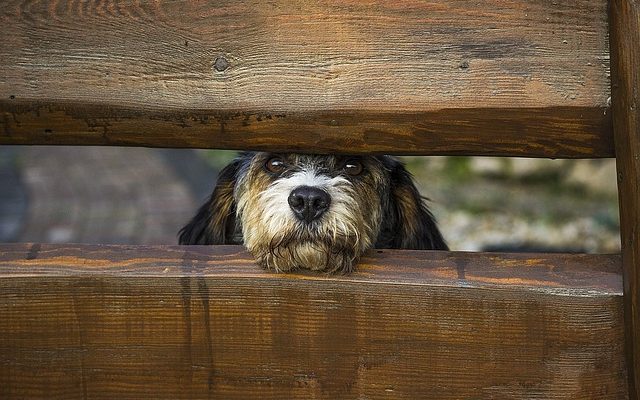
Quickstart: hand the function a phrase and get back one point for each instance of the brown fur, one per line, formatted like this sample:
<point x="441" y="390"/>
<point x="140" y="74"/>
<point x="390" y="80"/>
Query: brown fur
<point x="379" y="207"/>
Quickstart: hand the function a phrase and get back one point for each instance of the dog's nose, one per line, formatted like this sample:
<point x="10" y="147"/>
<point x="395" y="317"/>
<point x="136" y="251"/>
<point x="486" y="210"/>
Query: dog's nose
<point x="309" y="203"/>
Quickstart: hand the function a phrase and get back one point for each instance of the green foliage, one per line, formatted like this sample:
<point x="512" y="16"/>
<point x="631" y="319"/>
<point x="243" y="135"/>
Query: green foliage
<point x="218" y="159"/>
<point x="458" y="168"/>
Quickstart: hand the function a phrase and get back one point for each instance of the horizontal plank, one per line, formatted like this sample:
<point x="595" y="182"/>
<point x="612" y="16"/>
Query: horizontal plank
<point x="566" y="132"/>
<point x="87" y="321"/>
<point x="521" y="77"/>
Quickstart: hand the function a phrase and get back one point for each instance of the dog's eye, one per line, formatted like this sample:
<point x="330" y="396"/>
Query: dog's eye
<point x="275" y="165"/>
<point x="353" y="167"/>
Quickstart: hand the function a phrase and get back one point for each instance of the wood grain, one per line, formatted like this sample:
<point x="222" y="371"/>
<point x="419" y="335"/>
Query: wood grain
<point x="625" y="58"/>
<point x="517" y="77"/>
<point x="82" y="321"/>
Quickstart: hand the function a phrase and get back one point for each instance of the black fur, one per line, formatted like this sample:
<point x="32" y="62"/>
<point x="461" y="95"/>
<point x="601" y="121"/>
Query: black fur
<point x="402" y="227"/>
<point x="215" y="221"/>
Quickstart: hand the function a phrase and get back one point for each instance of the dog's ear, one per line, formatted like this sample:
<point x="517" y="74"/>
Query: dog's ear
<point x="215" y="221"/>
<point x="407" y="222"/>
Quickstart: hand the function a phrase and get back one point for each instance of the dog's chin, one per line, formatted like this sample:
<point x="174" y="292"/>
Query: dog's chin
<point x="315" y="255"/>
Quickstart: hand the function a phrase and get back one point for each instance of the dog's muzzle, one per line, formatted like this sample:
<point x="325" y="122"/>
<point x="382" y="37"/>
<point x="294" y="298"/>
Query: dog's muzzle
<point x="309" y="203"/>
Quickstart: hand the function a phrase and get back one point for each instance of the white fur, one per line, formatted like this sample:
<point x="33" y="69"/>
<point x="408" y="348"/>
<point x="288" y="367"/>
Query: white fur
<point x="341" y="222"/>
<point x="274" y="199"/>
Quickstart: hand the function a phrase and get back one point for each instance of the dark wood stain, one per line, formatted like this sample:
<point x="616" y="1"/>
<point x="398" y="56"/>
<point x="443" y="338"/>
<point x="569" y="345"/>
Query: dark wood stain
<point x="187" y="358"/>
<point x="203" y="292"/>
<point x="461" y="267"/>
<point x="81" y="318"/>
<point x="33" y="251"/>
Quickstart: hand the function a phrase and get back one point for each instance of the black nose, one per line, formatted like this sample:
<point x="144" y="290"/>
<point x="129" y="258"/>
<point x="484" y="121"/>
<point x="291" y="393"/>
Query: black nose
<point x="309" y="203"/>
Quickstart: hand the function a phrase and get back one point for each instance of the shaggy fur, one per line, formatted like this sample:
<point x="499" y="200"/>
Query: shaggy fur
<point x="377" y="205"/>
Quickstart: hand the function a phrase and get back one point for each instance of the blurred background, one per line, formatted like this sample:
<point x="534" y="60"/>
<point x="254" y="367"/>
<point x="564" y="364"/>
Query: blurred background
<point x="144" y="196"/>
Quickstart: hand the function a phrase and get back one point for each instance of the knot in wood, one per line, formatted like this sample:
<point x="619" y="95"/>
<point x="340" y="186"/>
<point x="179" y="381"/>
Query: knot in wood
<point x="221" y="64"/>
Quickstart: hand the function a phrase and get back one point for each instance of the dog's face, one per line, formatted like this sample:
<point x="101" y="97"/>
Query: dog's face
<point x="314" y="212"/>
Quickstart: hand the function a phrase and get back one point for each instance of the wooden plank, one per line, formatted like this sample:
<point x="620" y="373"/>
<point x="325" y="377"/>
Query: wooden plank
<point x="625" y="73"/>
<point x="517" y="77"/>
<point x="81" y="321"/>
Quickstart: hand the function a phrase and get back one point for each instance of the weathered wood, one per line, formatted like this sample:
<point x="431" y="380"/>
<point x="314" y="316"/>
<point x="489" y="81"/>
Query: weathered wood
<point x="625" y="74"/>
<point x="199" y="322"/>
<point x="517" y="77"/>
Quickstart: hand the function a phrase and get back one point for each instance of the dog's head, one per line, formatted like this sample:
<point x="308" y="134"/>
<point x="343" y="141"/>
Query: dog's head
<point x="314" y="212"/>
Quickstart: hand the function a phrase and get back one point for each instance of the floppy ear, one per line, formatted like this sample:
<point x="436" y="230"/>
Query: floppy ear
<point x="215" y="221"/>
<point x="407" y="222"/>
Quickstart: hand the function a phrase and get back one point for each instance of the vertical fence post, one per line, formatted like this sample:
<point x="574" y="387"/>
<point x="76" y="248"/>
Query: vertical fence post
<point x="625" y="91"/>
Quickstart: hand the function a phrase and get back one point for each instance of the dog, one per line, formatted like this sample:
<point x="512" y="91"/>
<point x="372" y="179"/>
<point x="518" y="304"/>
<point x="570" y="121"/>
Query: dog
<point x="317" y="212"/>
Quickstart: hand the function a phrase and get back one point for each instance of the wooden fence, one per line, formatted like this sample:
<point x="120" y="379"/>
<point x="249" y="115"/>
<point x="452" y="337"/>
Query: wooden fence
<point x="508" y="78"/>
